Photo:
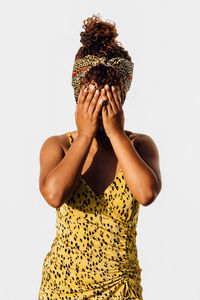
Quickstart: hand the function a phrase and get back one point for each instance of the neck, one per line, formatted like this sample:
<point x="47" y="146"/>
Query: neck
<point x="101" y="141"/>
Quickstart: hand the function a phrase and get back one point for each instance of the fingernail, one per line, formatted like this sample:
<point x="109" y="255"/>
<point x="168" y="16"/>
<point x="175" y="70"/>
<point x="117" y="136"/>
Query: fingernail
<point x="97" y="91"/>
<point x="85" y="90"/>
<point x="107" y="86"/>
<point x="113" y="88"/>
<point x="100" y="101"/>
<point x="103" y="90"/>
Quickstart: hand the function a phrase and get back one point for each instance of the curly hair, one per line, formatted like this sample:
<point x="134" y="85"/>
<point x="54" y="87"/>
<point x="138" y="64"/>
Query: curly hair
<point x="99" y="38"/>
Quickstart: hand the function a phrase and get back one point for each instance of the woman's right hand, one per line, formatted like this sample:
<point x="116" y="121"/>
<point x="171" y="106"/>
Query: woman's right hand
<point x="87" y="111"/>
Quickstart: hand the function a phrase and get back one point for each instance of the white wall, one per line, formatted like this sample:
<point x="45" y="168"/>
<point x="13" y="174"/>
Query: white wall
<point x="39" y="40"/>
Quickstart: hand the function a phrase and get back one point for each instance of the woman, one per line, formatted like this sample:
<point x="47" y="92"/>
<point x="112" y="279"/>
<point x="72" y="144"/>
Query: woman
<point x="96" y="177"/>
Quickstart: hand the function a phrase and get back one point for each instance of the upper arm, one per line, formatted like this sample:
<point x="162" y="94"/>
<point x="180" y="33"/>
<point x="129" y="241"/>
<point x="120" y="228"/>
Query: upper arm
<point x="51" y="153"/>
<point x="148" y="151"/>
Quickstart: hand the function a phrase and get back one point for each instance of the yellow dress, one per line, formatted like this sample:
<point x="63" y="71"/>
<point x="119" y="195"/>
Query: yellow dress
<point x="94" y="253"/>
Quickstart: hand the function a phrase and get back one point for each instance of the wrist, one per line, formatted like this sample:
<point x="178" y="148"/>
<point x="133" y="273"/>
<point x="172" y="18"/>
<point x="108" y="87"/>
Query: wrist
<point x="117" y="135"/>
<point x="85" y="136"/>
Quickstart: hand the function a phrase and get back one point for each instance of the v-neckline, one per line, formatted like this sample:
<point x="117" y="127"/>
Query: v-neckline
<point x="108" y="187"/>
<point x="104" y="192"/>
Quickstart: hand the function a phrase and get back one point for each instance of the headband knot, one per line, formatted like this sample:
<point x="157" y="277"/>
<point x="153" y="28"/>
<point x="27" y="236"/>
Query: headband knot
<point x="99" y="60"/>
<point x="81" y="66"/>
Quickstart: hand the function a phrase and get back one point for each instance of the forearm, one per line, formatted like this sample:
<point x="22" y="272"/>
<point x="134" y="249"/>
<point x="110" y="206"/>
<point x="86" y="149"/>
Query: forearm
<point x="140" y="178"/>
<point x="62" y="180"/>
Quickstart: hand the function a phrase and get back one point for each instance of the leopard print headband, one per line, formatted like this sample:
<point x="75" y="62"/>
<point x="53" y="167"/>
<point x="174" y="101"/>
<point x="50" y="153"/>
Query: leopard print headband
<point x="81" y="66"/>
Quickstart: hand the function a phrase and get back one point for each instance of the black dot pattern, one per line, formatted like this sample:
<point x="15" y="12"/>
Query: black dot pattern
<point x="94" y="254"/>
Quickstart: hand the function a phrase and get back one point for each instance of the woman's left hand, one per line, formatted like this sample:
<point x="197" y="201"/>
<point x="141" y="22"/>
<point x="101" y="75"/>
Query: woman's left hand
<point x="112" y="112"/>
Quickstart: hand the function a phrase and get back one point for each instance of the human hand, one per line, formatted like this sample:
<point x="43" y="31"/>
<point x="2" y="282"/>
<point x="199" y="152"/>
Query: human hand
<point x="87" y="111"/>
<point x="112" y="113"/>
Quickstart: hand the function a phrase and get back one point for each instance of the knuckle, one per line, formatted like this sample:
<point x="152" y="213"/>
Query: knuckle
<point x="112" y="114"/>
<point x="92" y="104"/>
<point x="96" y="96"/>
<point x="91" y="91"/>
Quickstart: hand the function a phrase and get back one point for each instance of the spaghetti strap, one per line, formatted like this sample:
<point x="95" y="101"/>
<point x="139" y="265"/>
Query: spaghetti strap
<point x="131" y="137"/>
<point x="70" y="138"/>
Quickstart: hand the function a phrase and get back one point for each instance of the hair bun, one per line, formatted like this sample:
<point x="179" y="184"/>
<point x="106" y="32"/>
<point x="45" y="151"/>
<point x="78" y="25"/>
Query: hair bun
<point x="98" y="33"/>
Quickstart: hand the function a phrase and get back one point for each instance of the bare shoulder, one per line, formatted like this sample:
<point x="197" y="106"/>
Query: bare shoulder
<point x="54" y="145"/>
<point x="50" y="142"/>
<point x="139" y="138"/>
<point x="143" y="138"/>
<point x="148" y="150"/>
<point x="63" y="139"/>
<point x="51" y="153"/>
